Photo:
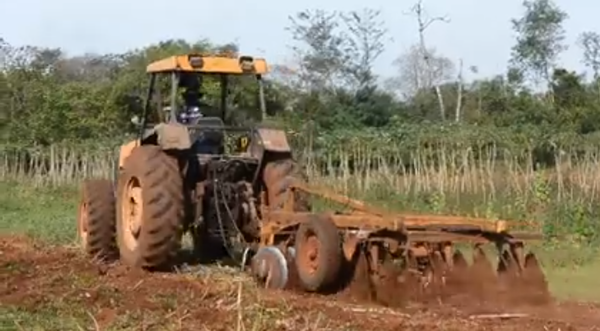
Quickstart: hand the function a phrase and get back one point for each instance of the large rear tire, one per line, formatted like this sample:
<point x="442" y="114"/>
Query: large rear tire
<point x="96" y="219"/>
<point x="150" y="208"/>
<point x="278" y="175"/>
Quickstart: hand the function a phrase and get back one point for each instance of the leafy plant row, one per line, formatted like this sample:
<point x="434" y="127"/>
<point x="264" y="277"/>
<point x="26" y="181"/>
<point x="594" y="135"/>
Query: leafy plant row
<point x="397" y="141"/>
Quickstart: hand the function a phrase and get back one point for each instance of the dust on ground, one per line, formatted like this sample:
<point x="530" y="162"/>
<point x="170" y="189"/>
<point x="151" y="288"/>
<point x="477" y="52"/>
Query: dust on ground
<point x="60" y="284"/>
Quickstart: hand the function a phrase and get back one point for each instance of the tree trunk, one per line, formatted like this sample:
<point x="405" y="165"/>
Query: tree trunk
<point x="459" y="92"/>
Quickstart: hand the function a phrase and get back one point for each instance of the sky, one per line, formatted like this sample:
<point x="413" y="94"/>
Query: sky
<point x="479" y="31"/>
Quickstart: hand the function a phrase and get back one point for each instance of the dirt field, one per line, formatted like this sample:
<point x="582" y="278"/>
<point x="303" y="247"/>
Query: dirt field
<point x="57" y="289"/>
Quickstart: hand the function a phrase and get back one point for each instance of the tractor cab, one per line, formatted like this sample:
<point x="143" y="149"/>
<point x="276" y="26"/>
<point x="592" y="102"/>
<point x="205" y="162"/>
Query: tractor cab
<point x="188" y="77"/>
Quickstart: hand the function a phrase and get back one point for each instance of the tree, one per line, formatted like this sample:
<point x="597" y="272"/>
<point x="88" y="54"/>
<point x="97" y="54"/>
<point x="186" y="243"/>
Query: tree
<point x="336" y="53"/>
<point x="415" y="74"/>
<point x="48" y="96"/>
<point x="424" y="22"/>
<point x="320" y="48"/>
<point x="540" y="39"/>
<point x="590" y="42"/>
<point x="568" y="89"/>
<point x="365" y="43"/>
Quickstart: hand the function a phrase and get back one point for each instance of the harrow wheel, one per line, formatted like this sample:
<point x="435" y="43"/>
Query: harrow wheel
<point x="96" y="219"/>
<point x="150" y="208"/>
<point x="318" y="254"/>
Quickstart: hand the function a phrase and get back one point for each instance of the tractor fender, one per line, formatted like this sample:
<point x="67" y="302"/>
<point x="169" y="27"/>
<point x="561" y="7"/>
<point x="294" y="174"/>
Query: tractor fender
<point x="270" y="140"/>
<point x="169" y="136"/>
<point x="172" y="136"/>
<point x="125" y="150"/>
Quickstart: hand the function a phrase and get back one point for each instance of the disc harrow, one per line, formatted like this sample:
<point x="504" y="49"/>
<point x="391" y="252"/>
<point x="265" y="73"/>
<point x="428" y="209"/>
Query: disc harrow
<point x="392" y="258"/>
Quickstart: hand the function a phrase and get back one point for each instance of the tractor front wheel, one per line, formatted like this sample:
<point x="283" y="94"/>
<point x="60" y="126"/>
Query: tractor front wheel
<point x="150" y="208"/>
<point x="96" y="219"/>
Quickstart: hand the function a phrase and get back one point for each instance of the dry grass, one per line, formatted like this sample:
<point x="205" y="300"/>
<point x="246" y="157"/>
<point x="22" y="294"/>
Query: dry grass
<point x="428" y="170"/>
<point x="453" y="181"/>
<point x="56" y="165"/>
<point x="560" y="196"/>
<point x="557" y="200"/>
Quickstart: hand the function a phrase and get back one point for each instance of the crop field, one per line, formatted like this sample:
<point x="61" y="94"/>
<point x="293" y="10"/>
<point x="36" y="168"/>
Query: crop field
<point x="439" y="154"/>
<point x="47" y="283"/>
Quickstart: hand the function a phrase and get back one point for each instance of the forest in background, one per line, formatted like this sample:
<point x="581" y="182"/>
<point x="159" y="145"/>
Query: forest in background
<point x="521" y="144"/>
<point x="49" y="96"/>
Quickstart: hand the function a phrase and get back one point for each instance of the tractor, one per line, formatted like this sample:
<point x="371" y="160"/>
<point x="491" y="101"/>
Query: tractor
<point x="247" y="199"/>
<point x="177" y="176"/>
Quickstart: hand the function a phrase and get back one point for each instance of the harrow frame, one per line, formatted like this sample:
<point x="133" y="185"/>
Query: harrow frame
<point x="424" y="242"/>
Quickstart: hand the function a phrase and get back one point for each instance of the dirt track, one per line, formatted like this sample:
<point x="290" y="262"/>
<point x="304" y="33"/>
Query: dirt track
<point x="114" y="298"/>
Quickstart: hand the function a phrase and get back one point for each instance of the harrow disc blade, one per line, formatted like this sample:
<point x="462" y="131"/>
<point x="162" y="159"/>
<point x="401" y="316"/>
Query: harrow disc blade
<point x="458" y="277"/>
<point x="360" y="283"/>
<point x="504" y="262"/>
<point x="270" y="268"/>
<point x="482" y="266"/>
<point x="507" y="264"/>
<point x="533" y="269"/>
<point x="459" y="261"/>
<point x="482" y="278"/>
<point x="436" y="277"/>
<point x="534" y="280"/>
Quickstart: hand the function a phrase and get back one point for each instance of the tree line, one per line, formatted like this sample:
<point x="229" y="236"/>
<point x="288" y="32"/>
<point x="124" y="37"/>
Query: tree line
<point x="48" y="96"/>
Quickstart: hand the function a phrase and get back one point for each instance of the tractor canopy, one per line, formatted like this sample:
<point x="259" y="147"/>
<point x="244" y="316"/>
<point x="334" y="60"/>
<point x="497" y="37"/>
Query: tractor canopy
<point x="243" y="65"/>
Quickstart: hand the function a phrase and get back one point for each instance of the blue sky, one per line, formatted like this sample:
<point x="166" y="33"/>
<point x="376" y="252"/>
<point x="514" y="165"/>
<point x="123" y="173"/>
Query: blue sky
<point x="479" y="32"/>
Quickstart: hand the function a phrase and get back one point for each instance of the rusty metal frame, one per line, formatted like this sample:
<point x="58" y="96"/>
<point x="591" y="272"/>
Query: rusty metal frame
<point x="421" y="234"/>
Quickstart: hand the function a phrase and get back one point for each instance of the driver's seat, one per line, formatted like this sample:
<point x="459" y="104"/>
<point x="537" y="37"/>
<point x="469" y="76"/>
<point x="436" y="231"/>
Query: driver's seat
<point x="210" y="136"/>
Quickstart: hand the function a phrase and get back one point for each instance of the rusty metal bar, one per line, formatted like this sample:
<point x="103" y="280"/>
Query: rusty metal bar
<point x="410" y="221"/>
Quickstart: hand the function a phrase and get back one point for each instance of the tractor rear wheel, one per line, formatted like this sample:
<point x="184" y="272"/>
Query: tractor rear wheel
<point x="278" y="175"/>
<point x="96" y="219"/>
<point x="150" y="208"/>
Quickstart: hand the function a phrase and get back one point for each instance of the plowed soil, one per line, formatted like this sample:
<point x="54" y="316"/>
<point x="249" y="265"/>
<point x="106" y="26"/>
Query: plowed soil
<point x="58" y="289"/>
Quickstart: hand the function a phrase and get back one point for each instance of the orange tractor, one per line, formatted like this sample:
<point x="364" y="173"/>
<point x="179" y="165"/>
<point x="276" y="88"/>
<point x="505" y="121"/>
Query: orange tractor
<point x="249" y="201"/>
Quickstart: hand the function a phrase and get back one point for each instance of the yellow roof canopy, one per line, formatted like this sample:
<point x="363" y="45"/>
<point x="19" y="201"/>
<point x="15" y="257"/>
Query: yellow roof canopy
<point x="242" y="65"/>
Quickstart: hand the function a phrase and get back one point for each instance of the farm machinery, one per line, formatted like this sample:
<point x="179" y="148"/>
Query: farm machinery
<point x="250" y="201"/>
